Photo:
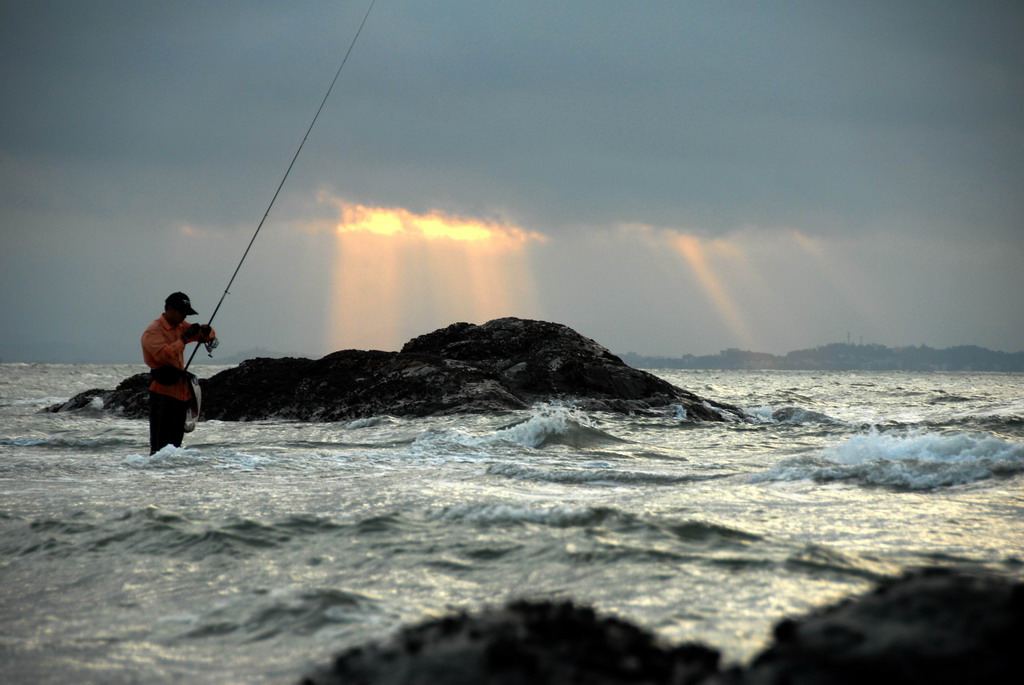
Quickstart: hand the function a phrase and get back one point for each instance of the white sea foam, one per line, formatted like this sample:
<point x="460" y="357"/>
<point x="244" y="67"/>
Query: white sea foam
<point x="724" y="414"/>
<point x="369" y="422"/>
<point x="762" y="414"/>
<point x="167" y="458"/>
<point x="915" y="461"/>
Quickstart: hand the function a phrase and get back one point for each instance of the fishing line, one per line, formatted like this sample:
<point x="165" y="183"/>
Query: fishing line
<point x="283" y="179"/>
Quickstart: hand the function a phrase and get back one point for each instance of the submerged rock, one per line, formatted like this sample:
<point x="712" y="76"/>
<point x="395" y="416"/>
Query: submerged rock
<point x="930" y="627"/>
<point x="500" y="365"/>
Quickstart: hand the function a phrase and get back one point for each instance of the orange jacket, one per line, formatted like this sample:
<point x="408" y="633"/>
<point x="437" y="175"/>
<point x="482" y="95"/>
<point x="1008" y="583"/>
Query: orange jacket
<point x="162" y="346"/>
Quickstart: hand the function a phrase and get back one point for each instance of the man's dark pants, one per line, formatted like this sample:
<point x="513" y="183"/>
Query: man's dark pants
<point x="166" y="421"/>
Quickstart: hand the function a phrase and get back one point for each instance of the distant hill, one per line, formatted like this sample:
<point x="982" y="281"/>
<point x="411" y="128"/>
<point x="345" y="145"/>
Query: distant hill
<point x="844" y="357"/>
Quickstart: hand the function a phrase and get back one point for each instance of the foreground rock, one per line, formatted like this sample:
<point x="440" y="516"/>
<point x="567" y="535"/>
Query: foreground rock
<point x="523" y="643"/>
<point x="934" y="626"/>
<point x="500" y="365"/>
<point x="931" y="627"/>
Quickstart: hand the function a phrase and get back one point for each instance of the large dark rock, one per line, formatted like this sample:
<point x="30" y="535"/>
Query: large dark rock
<point x="500" y="365"/>
<point x="524" y="643"/>
<point x="537" y="361"/>
<point x="933" y="627"/>
<point x="130" y="398"/>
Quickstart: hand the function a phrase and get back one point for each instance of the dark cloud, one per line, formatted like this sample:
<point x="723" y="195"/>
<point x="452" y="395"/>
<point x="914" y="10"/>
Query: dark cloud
<point x="129" y="120"/>
<point x="714" y="113"/>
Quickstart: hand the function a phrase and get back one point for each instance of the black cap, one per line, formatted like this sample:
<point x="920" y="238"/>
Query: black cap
<point x="179" y="302"/>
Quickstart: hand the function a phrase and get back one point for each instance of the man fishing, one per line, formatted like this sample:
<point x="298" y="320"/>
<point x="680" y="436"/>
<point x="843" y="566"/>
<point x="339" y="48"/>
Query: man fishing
<point x="163" y="348"/>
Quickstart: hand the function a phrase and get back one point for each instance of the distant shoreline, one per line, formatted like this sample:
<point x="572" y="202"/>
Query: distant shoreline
<point x="831" y="357"/>
<point x="842" y="357"/>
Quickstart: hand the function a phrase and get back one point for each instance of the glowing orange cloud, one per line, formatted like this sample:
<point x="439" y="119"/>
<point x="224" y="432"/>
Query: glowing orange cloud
<point x="399" y="273"/>
<point x="433" y="226"/>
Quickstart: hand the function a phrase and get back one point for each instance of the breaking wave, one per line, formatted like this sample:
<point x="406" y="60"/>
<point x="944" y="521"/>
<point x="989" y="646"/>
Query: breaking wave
<point x="547" y="425"/>
<point x="553" y="424"/>
<point x="911" y="461"/>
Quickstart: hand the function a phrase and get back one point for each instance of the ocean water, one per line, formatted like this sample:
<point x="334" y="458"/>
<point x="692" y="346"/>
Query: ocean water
<point x="259" y="549"/>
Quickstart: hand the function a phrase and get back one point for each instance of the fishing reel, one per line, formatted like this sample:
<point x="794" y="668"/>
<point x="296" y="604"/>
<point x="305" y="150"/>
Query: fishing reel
<point x="210" y="346"/>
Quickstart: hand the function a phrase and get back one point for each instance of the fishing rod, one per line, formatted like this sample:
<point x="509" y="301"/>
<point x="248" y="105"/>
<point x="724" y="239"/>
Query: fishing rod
<point x="213" y="342"/>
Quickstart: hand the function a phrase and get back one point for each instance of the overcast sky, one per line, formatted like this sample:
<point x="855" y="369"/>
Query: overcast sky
<point x="664" y="177"/>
